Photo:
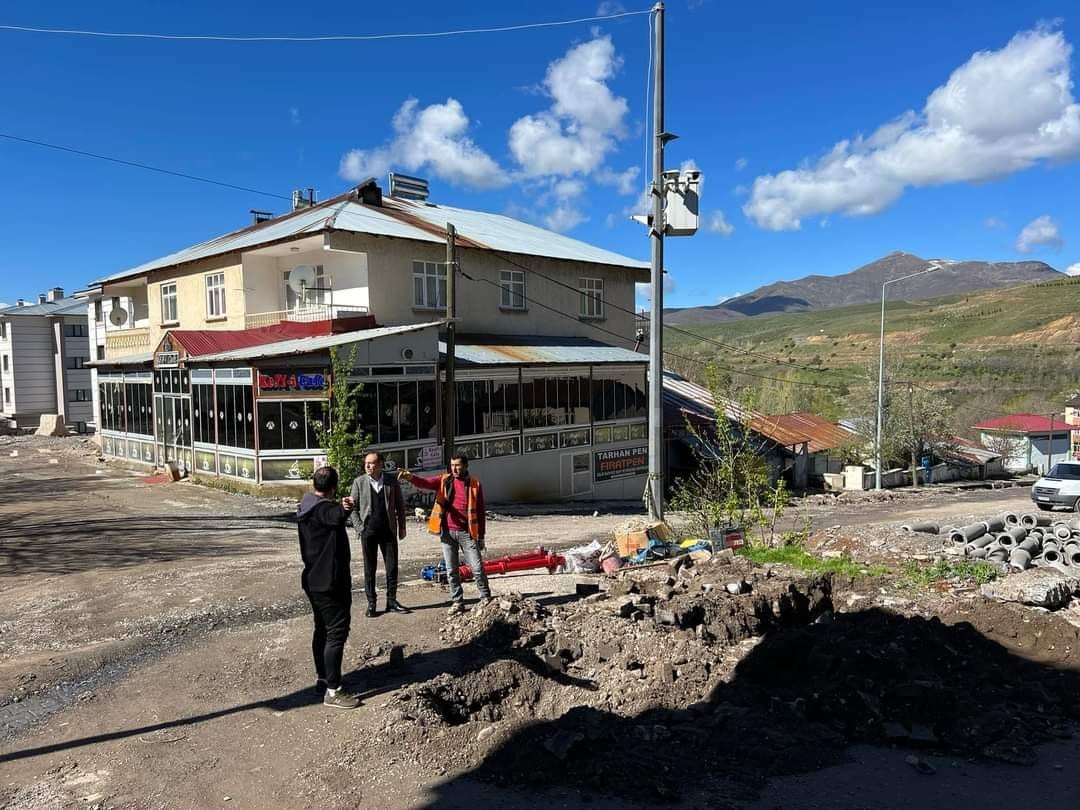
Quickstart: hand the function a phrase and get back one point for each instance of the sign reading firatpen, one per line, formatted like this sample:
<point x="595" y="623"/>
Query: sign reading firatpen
<point x="288" y="381"/>
<point x="626" y="463"/>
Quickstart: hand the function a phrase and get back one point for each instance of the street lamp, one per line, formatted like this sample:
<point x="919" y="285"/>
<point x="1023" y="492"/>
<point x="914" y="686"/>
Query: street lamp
<point x="934" y="265"/>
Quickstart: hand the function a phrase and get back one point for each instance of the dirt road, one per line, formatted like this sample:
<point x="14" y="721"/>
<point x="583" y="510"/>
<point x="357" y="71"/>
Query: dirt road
<point x="154" y="652"/>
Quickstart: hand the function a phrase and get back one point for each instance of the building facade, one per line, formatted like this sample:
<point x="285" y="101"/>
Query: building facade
<point x="44" y="357"/>
<point x="221" y="358"/>
<point x="1027" y="442"/>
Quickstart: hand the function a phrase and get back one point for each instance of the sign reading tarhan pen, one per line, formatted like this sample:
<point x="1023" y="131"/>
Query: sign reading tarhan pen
<point x="624" y="463"/>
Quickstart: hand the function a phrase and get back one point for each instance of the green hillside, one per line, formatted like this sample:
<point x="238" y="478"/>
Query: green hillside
<point x="998" y="350"/>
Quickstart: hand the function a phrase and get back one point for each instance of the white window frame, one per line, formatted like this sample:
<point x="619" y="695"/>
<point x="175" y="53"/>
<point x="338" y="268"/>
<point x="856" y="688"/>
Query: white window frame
<point x="168" y="293"/>
<point x="80" y="394"/>
<point x="214" y="283"/>
<point x="512" y="289"/>
<point x="592" y="297"/>
<point x="428" y="277"/>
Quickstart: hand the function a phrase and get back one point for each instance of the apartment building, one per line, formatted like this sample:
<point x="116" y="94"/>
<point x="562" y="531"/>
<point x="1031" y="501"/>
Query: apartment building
<point x="44" y="352"/>
<point x="217" y="356"/>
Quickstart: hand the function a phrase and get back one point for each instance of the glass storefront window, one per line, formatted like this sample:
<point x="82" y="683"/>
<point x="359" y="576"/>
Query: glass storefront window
<point x="541" y="441"/>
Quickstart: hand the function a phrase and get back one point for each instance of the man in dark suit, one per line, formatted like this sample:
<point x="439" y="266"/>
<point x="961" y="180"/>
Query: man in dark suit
<point x="379" y="518"/>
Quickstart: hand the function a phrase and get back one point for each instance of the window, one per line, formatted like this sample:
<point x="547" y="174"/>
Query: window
<point x="75" y="330"/>
<point x="215" y="295"/>
<point x="3" y="329"/>
<point x="100" y="352"/>
<point x="5" y="362"/>
<point x="487" y="406"/>
<point x="512" y="283"/>
<point x="7" y="395"/>
<point x="81" y="394"/>
<point x="618" y="393"/>
<point x="592" y="297"/>
<point x="316" y="294"/>
<point x="168" y="303"/>
<point x="99" y="311"/>
<point x="429" y="285"/>
<point x="77" y="362"/>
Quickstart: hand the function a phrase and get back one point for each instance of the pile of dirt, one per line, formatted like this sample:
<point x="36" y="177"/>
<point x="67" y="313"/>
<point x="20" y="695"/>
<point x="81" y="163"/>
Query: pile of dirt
<point x="59" y="446"/>
<point x="678" y="673"/>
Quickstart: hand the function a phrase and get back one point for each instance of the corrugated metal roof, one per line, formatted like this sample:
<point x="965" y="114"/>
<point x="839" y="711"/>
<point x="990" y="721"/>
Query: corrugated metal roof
<point x="792" y="429"/>
<point x="65" y="306"/>
<point x="1024" y="423"/>
<point x="697" y="402"/>
<point x="307" y="345"/>
<point x="405" y="219"/>
<point x="968" y="451"/>
<point x="539" y="350"/>
<point x="212" y="341"/>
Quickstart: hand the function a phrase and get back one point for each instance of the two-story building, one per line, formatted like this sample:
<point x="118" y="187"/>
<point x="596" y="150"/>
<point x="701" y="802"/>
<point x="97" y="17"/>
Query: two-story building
<point x="217" y="356"/>
<point x="44" y="351"/>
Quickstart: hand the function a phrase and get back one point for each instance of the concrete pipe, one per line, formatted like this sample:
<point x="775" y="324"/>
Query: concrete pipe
<point x="1051" y="545"/>
<point x="956" y="537"/>
<point x="984" y="541"/>
<point x="1050" y="556"/>
<point x="1017" y="533"/>
<point x="1062" y="532"/>
<point x="1031" y="545"/>
<point x="976" y="552"/>
<point x="1012" y="537"/>
<point x="1010" y="519"/>
<point x="1073" y="523"/>
<point x="923" y="527"/>
<point x="1019" y="560"/>
<point x="1030" y="521"/>
<point x="972" y="530"/>
<point x="994" y="524"/>
<point x="1072" y="555"/>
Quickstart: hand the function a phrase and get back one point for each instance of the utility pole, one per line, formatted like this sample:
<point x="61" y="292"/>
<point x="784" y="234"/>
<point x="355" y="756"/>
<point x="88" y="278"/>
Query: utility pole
<point x="1050" y="449"/>
<point x="656" y="316"/>
<point x="914" y="443"/>
<point x="449" y="391"/>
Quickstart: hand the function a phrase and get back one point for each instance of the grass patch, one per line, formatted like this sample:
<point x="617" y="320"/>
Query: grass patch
<point x="921" y="576"/>
<point x="800" y="558"/>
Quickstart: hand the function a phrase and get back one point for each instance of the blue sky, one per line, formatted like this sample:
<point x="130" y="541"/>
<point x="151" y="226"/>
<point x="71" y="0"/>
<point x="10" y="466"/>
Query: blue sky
<point x="828" y="134"/>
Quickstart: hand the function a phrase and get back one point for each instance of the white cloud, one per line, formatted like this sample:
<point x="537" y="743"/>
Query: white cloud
<point x="995" y="223"/>
<point x="1040" y="231"/>
<point x="740" y="164"/>
<point x="624" y="182"/>
<point x="610" y="220"/>
<point x="963" y="134"/>
<point x="563" y="217"/>
<point x="716" y="222"/>
<point x="584" y="121"/>
<point x="724" y="298"/>
<point x="609" y="7"/>
<point x="1073" y="269"/>
<point x="294" y="116"/>
<point x="432" y="138"/>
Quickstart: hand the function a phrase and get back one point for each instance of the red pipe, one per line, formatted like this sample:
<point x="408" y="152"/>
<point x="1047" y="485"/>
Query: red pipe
<point x="538" y="558"/>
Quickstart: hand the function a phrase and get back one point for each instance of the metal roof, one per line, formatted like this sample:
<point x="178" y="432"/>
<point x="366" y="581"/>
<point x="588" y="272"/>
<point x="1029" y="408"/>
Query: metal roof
<point x="792" y="429"/>
<point x="306" y="345"/>
<point x="197" y="342"/>
<point x="1025" y="423"/>
<point x="698" y="402"/>
<point x="539" y="350"/>
<point x="963" y="450"/>
<point x="404" y="219"/>
<point x="65" y="306"/>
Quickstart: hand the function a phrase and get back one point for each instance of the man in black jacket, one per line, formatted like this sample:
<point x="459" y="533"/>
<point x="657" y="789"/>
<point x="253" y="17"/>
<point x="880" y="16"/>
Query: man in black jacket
<point x="327" y="581"/>
<point x="379" y="518"/>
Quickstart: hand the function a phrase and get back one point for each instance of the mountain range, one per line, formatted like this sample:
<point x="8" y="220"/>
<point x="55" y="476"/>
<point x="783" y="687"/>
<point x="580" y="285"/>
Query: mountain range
<point x="863" y="286"/>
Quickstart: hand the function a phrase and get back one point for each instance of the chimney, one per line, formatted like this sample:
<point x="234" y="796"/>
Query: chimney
<point x="41" y="299"/>
<point x="20" y="303"/>
<point x="311" y="196"/>
<point x="368" y="192"/>
<point x="56" y="293"/>
<point x="260" y="216"/>
<point x="299" y="200"/>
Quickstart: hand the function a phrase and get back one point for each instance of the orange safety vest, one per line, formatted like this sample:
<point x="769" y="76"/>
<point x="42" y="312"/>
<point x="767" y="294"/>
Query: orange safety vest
<point x="442" y="503"/>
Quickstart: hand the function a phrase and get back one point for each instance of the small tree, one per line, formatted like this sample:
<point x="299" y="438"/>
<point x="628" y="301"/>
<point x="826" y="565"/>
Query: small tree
<point x="731" y="486"/>
<point x="344" y="441"/>
<point x="1010" y="446"/>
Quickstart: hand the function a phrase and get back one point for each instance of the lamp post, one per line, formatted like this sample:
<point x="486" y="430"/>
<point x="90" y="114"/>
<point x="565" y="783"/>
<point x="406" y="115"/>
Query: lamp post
<point x="934" y="265"/>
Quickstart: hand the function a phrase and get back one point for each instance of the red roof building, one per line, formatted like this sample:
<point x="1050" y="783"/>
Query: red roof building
<point x="1024" y="423"/>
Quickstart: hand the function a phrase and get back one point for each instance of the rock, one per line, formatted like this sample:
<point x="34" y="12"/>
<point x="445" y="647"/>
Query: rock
<point x="724" y="556"/>
<point x="555" y="663"/>
<point x="733" y="587"/>
<point x="920" y="765"/>
<point x="700" y="556"/>
<point x="560" y="743"/>
<point x="485" y="732"/>
<point x="1041" y="587"/>
<point x="666" y="616"/>
<point x="606" y="650"/>
<point x="51" y="424"/>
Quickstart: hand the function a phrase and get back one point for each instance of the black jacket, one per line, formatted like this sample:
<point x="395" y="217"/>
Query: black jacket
<point x="324" y="545"/>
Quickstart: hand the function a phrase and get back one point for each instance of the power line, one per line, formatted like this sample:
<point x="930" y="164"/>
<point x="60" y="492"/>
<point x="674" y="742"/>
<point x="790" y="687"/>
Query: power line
<point x="137" y="165"/>
<point x="684" y="358"/>
<point x="319" y="38"/>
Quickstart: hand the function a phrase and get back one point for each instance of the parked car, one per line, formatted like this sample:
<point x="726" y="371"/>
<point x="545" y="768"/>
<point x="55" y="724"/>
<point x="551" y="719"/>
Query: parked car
<point x="1059" y="487"/>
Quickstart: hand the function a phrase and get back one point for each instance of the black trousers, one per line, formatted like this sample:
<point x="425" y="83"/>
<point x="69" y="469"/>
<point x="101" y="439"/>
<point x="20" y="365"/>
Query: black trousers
<point x="371" y="545"/>
<point x="331" y="610"/>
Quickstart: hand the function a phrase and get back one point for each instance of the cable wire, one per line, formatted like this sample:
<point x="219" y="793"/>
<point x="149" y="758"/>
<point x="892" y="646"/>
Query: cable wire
<point x="319" y="38"/>
<point x="138" y="165"/>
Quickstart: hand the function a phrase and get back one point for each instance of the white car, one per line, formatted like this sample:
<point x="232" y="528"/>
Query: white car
<point x="1059" y="487"/>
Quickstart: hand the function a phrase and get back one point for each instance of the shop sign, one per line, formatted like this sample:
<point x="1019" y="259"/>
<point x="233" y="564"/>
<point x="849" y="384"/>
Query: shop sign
<point x="167" y="359"/>
<point x="283" y="382"/>
<point x="625" y="463"/>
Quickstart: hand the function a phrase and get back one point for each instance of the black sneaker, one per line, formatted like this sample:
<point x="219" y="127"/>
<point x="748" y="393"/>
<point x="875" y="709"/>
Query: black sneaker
<point x="340" y="700"/>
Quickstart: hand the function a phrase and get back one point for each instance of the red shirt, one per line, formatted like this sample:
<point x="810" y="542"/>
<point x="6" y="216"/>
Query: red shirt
<point x="457" y="510"/>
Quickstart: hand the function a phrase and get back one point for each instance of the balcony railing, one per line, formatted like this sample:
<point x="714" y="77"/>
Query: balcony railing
<point x="126" y="341"/>
<point x="305" y="314"/>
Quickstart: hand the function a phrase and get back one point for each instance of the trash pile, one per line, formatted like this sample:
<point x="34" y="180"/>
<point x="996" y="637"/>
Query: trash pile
<point x="638" y="542"/>
<point x="1020" y="541"/>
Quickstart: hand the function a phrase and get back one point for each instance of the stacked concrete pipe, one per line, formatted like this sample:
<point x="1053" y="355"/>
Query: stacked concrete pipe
<point x="1021" y="541"/>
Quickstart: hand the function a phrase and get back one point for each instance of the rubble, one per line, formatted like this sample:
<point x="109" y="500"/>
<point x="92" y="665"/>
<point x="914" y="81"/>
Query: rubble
<point x="1040" y="587"/>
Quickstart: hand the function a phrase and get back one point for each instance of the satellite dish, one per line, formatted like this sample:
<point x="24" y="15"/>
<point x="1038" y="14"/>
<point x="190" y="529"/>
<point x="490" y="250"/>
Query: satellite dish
<point x="118" y="316"/>
<point x="302" y="278"/>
